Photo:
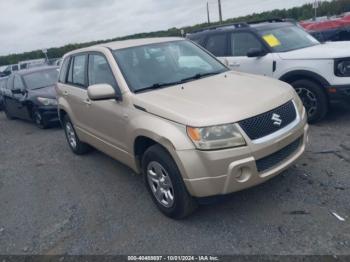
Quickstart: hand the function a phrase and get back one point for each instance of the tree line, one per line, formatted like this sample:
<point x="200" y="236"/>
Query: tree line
<point x="334" y="7"/>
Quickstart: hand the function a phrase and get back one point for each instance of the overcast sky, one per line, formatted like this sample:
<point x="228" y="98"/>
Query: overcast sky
<point x="27" y="25"/>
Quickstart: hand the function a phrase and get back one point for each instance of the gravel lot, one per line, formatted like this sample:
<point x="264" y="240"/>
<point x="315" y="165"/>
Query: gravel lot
<point x="53" y="202"/>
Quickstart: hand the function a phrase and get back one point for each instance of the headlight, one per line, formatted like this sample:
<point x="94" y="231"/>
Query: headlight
<point x="216" y="137"/>
<point x="342" y="68"/>
<point x="47" y="101"/>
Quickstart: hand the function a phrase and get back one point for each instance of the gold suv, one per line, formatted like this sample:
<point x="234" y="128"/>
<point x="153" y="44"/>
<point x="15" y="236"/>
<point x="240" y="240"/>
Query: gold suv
<point x="168" y="109"/>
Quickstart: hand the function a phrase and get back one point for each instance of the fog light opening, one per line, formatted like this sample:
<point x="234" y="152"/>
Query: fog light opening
<point x="243" y="174"/>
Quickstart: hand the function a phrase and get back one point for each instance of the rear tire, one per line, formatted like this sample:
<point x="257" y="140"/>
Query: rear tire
<point x="314" y="99"/>
<point x="165" y="184"/>
<point x="78" y="147"/>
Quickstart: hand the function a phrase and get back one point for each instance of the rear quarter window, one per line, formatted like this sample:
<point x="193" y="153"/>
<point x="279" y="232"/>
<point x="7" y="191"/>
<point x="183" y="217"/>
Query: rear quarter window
<point x="63" y="71"/>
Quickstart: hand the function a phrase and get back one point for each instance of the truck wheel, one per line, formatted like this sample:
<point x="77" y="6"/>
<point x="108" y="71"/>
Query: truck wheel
<point x="78" y="147"/>
<point x="164" y="182"/>
<point x="314" y="99"/>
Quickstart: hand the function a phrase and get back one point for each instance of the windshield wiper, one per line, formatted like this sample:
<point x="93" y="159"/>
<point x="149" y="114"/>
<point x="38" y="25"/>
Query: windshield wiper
<point x="155" y="86"/>
<point x="199" y="76"/>
<point x="160" y="85"/>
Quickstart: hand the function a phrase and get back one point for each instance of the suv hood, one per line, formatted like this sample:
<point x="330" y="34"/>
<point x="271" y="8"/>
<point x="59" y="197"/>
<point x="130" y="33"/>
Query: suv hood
<point x="220" y="99"/>
<point x="327" y="50"/>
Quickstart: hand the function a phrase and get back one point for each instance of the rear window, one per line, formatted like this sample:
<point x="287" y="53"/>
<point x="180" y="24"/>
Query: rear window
<point x="217" y="44"/>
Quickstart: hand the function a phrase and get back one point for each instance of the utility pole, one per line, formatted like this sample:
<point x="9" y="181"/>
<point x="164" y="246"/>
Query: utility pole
<point x="208" y="13"/>
<point x="220" y="11"/>
<point x="315" y="5"/>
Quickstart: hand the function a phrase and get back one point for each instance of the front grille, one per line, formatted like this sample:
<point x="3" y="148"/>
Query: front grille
<point x="272" y="160"/>
<point x="265" y="124"/>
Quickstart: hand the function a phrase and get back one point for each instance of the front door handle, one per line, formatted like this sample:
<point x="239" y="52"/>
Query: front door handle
<point x="235" y="64"/>
<point x="87" y="102"/>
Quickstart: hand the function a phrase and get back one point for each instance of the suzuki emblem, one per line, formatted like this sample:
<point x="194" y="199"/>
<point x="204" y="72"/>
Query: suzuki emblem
<point x="277" y="119"/>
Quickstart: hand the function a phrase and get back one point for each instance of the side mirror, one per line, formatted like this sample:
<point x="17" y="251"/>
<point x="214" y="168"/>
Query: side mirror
<point x="101" y="92"/>
<point x="256" y="52"/>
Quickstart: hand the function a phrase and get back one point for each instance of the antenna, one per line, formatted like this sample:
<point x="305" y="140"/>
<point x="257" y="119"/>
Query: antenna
<point x="220" y="11"/>
<point x="208" y="13"/>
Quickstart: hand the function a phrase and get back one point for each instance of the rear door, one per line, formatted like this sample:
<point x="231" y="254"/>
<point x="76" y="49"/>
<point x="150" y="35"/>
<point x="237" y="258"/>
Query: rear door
<point x="239" y="44"/>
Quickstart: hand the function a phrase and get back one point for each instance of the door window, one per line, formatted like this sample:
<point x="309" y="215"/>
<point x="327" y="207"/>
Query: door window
<point x="76" y="74"/>
<point x="99" y="71"/>
<point x="217" y="44"/>
<point x="241" y="43"/>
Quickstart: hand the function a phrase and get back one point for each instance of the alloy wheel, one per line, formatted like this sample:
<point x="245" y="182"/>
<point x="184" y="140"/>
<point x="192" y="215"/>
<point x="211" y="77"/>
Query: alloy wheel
<point x="160" y="184"/>
<point x="309" y="100"/>
<point x="38" y="118"/>
<point x="72" y="140"/>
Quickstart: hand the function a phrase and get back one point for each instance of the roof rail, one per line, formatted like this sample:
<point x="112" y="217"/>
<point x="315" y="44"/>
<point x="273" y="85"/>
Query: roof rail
<point x="273" y="20"/>
<point x="235" y="25"/>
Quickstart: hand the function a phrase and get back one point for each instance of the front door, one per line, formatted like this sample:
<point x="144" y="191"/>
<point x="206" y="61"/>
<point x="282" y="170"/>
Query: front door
<point x="240" y="44"/>
<point x="107" y="118"/>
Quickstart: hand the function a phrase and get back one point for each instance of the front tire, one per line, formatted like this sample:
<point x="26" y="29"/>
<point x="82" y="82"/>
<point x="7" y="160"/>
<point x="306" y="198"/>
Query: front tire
<point x="39" y="120"/>
<point x="165" y="184"/>
<point x="78" y="147"/>
<point x="314" y="99"/>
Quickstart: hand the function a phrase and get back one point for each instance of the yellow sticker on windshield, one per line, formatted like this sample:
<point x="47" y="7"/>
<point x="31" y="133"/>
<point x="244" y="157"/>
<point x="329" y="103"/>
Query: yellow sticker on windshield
<point x="271" y="40"/>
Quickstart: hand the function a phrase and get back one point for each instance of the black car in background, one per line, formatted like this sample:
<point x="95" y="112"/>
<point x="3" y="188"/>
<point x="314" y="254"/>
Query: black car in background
<point x="31" y="95"/>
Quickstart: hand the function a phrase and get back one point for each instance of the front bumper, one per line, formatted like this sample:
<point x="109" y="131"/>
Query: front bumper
<point x="49" y="114"/>
<point x="209" y="173"/>
<point x="339" y="93"/>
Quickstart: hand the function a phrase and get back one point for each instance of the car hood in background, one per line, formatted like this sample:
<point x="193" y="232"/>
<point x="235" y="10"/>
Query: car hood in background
<point x="220" y="99"/>
<point x="46" y="92"/>
<point x="327" y="50"/>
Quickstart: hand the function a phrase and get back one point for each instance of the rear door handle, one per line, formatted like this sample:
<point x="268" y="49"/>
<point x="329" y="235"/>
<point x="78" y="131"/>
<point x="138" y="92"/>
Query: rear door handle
<point x="87" y="102"/>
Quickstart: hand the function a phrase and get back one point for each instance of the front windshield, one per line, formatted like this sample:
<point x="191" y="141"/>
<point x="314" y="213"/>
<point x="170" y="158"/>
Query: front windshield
<point x="161" y="64"/>
<point x="41" y="79"/>
<point x="287" y="38"/>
